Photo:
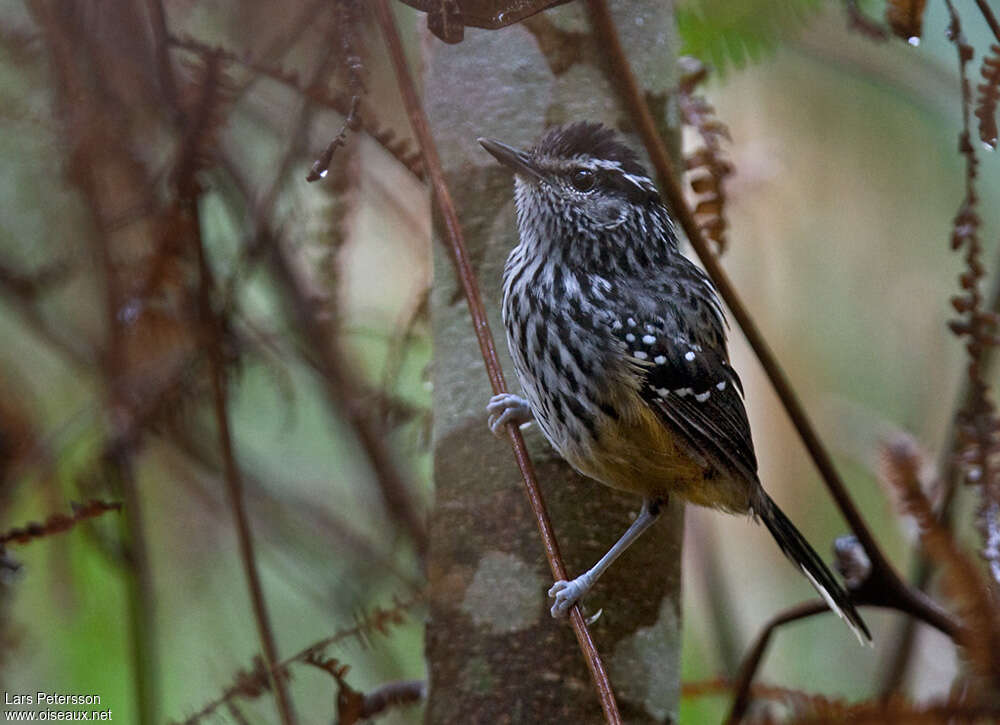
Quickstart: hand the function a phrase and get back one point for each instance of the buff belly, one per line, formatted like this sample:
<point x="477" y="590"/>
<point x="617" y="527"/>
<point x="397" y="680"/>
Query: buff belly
<point x="640" y="454"/>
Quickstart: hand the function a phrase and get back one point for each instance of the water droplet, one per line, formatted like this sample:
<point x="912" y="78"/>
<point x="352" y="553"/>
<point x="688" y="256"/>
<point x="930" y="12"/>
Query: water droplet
<point x="914" y="40"/>
<point x="130" y="311"/>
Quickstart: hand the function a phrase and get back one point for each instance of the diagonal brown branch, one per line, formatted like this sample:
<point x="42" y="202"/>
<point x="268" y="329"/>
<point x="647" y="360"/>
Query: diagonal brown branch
<point x="470" y="286"/>
<point x="990" y="18"/>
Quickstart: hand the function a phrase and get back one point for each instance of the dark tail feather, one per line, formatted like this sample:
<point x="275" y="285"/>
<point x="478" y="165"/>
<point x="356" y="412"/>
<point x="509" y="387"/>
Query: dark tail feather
<point x="796" y="548"/>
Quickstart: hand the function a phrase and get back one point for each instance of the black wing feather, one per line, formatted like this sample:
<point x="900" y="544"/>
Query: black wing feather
<point x="686" y="394"/>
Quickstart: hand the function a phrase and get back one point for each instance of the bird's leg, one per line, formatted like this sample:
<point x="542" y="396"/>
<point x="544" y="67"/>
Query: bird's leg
<point x="566" y="594"/>
<point x="507" y="408"/>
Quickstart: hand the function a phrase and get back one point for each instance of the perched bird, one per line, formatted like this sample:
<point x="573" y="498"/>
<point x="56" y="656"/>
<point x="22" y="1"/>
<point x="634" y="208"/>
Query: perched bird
<point x="619" y="343"/>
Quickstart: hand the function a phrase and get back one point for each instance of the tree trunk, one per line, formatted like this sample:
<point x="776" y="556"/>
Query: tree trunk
<point x="495" y="655"/>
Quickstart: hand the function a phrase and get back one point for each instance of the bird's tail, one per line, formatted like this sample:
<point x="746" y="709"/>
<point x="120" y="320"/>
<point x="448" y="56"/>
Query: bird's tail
<point x="796" y="548"/>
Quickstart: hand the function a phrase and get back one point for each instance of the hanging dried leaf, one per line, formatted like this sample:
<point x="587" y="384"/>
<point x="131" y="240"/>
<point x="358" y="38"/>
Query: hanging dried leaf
<point x="906" y="18"/>
<point x="989" y="92"/>
<point x="447" y="19"/>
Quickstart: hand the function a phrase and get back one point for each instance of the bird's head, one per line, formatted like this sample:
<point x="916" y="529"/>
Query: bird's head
<point x="582" y="172"/>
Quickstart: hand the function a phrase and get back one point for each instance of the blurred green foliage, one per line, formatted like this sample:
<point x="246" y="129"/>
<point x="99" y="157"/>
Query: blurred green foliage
<point x="730" y="35"/>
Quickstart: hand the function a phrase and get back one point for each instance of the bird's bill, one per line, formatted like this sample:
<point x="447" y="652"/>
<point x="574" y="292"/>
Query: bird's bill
<point x="519" y="161"/>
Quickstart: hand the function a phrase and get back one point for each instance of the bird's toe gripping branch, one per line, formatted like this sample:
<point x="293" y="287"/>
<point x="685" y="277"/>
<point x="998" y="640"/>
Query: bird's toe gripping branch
<point x="566" y="594"/>
<point x="507" y="408"/>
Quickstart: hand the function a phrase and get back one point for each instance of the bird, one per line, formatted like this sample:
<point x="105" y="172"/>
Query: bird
<point x="619" y="344"/>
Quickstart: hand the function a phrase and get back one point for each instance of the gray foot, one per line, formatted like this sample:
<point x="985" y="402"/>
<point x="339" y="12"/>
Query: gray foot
<point x="507" y="408"/>
<point x="566" y="594"/>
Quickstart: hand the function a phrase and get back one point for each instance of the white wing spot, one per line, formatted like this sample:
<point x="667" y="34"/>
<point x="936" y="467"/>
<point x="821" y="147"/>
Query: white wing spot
<point x="616" y="325"/>
<point x="702" y="397"/>
<point x="648" y="339"/>
<point x="640" y="354"/>
<point x="689" y="355"/>
<point x="681" y="392"/>
<point x="660" y="360"/>
<point x="720" y="386"/>
<point x="631" y="322"/>
<point x="630" y="337"/>
<point x="662" y="392"/>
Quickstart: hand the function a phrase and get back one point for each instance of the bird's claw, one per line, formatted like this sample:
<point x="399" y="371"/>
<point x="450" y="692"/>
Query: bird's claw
<point x="507" y="408"/>
<point x="566" y="594"/>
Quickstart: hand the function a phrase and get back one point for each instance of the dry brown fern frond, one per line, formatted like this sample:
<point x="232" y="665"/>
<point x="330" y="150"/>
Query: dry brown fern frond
<point x="251" y="684"/>
<point x="976" y="603"/>
<point x="58" y="523"/>
<point x="248" y="684"/>
<point x="795" y="707"/>
<point x="977" y="423"/>
<point x="989" y="94"/>
<point x="706" y="167"/>
<point x="776" y="704"/>
<point x="896" y="710"/>
<point x="354" y="706"/>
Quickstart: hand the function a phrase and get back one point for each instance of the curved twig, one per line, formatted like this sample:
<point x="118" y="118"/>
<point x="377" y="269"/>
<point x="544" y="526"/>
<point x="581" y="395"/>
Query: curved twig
<point x="470" y="286"/>
<point x="929" y="614"/>
<point x="751" y="663"/>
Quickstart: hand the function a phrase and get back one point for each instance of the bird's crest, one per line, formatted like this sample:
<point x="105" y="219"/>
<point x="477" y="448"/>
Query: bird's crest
<point x="586" y="138"/>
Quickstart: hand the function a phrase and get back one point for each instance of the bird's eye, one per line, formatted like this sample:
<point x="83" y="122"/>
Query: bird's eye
<point x="583" y="179"/>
